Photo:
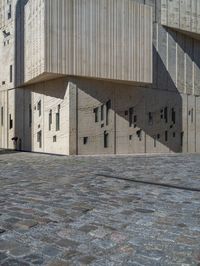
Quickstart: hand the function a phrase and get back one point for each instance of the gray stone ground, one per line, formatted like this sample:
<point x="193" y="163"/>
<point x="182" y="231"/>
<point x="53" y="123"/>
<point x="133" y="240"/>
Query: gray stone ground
<point x="122" y="210"/>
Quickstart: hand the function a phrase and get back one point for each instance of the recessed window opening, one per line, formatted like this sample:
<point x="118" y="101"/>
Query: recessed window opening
<point x="9" y="12"/>
<point x="166" y="114"/>
<point x="10" y="122"/>
<point x="174" y="134"/>
<point x="192" y="115"/>
<point x="55" y="138"/>
<point x="50" y="119"/>
<point x="106" y="135"/>
<point x="154" y="141"/>
<point x="96" y="114"/>
<point x="85" y="140"/>
<point x="150" y="118"/>
<point x="39" y="108"/>
<point x="30" y="115"/>
<point x="166" y="135"/>
<point x="139" y="134"/>
<point x="182" y="135"/>
<point x="39" y="138"/>
<point x="2" y="115"/>
<point x="58" y="119"/>
<point x="161" y="113"/>
<point x="131" y="110"/>
<point x="173" y="116"/>
<point x="102" y="112"/>
<point x="130" y="137"/>
<point x="11" y="73"/>
<point x="108" y="107"/>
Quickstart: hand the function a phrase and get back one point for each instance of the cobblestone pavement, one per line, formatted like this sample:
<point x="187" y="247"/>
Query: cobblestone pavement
<point x="122" y="210"/>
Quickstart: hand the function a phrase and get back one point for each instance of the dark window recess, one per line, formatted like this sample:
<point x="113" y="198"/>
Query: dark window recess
<point x="2" y="115"/>
<point x="161" y="114"/>
<point x="11" y="73"/>
<point x="9" y="12"/>
<point x="39" y="138"/>
<point x="158" y="136"/>
<point x="192" y="115"/>
<point x="174" y="134"/>
<point x="96" y="114"/>
<point x="139" y="134"/>
<point x="50" y="119"/>
<point x="126" y="113"/>
<point x="166" y="114"/>
<point x="150" y="118"/>
<point x="135" y="119"/>
<point x="39" y="107"/>
<point x="58" y="119"/>
<point x="154" y="138"/>
<point x="30" y="115"/>
<point x="3" y="82"/>
<point x="182" y="135"/>
<point x="54" y="138"/>
<point x="131" y="110"/>
<point x="130" y="137"/>
<point x="106" y="135"/>
<point x="102" y="112"/>
<point x="108" y="107"/>
<point x="173" y="116"/>
<point x="85" y="140"/>
<point x="166" y="135"/>
<point x="10" y="122"/>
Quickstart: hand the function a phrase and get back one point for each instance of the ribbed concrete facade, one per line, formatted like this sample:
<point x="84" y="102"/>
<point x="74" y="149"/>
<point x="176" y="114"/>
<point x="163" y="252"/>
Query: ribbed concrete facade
<point x="100" y="76"/>
<point x="108" y="39"/>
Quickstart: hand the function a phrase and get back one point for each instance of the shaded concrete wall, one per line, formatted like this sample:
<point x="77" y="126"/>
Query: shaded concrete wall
<point x="162" y="121"/>
<point x="48" y="98"/>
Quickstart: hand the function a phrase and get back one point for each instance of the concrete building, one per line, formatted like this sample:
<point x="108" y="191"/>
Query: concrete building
<point x="100" y="76"/>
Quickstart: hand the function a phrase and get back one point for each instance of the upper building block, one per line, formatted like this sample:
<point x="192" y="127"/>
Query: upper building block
<point x="105" y="39"/>
<point x="183" y="15"/>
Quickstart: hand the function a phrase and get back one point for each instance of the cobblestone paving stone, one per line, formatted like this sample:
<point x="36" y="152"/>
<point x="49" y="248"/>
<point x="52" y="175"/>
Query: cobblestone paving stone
<point x="57" y="210"/>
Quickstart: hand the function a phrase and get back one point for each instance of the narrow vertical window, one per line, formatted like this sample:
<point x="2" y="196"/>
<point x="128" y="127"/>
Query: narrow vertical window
<point x="182" y="135"/>
<point x="10" y="122"/>
<point x="58" y="119"/>
<point x="166" y="114"/>
<point x="39" y="107"/>
<point x="173" y="116"/>
<point x="166" y="135"/>
<point x="9" y="12"/>
<point x="102" y="112"/>
<point x="85" y="140"/>
<point x="150" y="118"/>
<point x="2" y="114"/>
<point x="108" y="107"/>
<point x="96" y="114"/>
<point x="106" y="135"/>
<point x="50" y="119"/>
<point x="154" y="138"/>
<point x="39" y="138"/>
<point x="130" y="116"/>
<point x="192" y="115"/>
<point x="30" y="116"/>
<point x="11" y="73"/>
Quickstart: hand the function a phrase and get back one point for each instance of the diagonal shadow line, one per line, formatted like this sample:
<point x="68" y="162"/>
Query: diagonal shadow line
<point x="150" y="183"/>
